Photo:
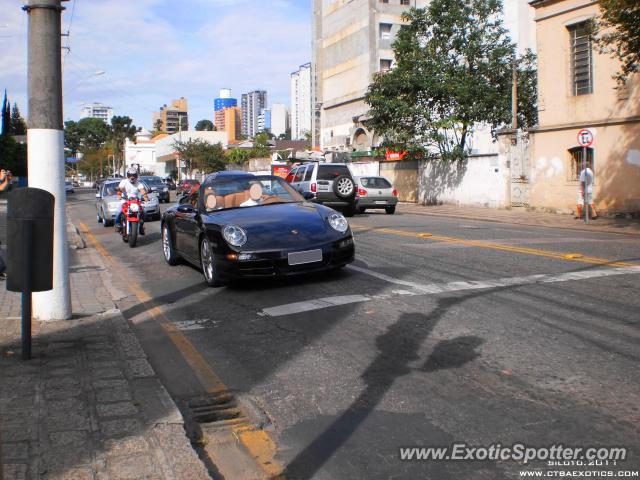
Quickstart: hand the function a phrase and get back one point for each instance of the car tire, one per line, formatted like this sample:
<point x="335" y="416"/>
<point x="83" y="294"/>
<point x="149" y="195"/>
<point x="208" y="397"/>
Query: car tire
<point x="344" y="187"/>
<point x="99" y="218"/>
<point x="208" y="264"/>
<point x="390" y="210"/>
<point x="350" y="211"/>
<point x="170" y="255"/>
<point x="361" y="210"/>
<point x="105" y="223"/>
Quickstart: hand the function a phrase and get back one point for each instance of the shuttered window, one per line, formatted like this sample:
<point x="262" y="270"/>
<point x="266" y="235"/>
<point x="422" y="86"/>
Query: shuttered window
<point x="581" y="58"/>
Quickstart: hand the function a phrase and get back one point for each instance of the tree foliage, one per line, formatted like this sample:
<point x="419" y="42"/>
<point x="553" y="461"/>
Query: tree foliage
<point x="201" y="155"/>
<point x="17" y="124"/>
<point x="619" y="34"/>
<point x="454" y="69"/>
<point x="205" y="126"/>
<point x="6" y="115"/>
<point x="13" y="156"/>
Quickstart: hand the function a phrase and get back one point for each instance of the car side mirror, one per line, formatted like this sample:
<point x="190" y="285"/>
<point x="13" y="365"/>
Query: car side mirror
<point x="308" y="195"/>
<point x="97" y="195"/>
<point x="186" y="208"/>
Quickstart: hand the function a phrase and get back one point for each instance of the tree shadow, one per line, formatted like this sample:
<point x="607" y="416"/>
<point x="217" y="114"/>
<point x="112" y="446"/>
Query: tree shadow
<point x="436" y="177"/>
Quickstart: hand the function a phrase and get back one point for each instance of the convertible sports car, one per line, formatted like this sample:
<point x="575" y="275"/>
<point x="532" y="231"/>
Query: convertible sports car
<point x="241" y="225"/>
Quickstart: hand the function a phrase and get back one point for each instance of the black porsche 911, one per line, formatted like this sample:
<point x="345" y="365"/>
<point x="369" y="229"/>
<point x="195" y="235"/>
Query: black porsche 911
<point x="241" y="225"/>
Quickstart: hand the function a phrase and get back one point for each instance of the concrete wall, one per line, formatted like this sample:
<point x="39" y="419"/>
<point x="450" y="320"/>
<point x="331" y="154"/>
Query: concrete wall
<point x="404" y="176"/>
<point x="479" y="180"/>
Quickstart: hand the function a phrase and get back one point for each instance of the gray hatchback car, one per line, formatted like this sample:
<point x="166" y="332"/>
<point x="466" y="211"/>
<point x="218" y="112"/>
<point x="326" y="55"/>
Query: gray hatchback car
<point x="376" y="192"/>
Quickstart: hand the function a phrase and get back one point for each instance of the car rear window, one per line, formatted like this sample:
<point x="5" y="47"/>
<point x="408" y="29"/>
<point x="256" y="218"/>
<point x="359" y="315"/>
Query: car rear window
<point x="329" y="172"/>
<point x="375" y="182"/>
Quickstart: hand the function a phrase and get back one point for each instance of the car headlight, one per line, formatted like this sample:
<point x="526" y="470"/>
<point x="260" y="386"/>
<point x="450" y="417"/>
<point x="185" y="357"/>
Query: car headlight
<point x="338" y="222"/>
<point x="234" y="235"/>
<point x="134" y="207"/>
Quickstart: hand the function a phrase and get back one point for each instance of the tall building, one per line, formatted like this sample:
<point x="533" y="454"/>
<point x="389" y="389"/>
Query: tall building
<point x="279" y="119"/>
<point x="172" y="117"/>
<point x="97" y="110"/>
<point x="230" y="121"/>
<point x="252" y="105"/>
<point x="351" y="42"/>
<point x="225" y="100"/>
<point x="301" y="110"/>
<point x="264" y="120"/>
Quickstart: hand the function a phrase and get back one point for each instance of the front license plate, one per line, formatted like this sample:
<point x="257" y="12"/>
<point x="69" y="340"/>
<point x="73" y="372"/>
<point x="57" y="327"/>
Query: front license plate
<point x="381" y="202"/>
<point x="310" y="256"/>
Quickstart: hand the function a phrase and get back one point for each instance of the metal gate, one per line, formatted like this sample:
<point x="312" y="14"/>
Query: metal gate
<point x="520" y="170"/>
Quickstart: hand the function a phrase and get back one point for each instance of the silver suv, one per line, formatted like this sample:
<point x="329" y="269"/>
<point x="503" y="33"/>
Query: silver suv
<point x="330" y="184"/>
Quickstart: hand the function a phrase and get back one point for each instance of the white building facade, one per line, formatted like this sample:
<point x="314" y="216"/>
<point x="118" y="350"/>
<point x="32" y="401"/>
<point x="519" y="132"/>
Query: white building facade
<point x="252" y="104"/>
<point x="142" y="152"/>
<point x="301" y="100"/>
<point x="279" y="119"/>
<point x="97" y="110"/>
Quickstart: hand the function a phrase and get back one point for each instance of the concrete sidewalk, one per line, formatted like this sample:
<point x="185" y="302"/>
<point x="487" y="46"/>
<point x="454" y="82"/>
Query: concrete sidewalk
<point x="519" y="216"/>
<point x="88" y="405"/>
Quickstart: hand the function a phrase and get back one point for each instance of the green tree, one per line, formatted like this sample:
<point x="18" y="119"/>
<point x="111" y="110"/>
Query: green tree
<point x="157" y="128"/>
<point x="13" y="156"/>
<point x="261" y="147"/>
<point x="6" y="115"/>
<point x="201" y="155"/>
<point x="286" y="135"/>
<point x="122" y="127"/>
<point x="17" y="126"/>
<point x="619" y="34"/>
<point x="205" y="126"/>
<point x="85" y="135"/>
<point x="238" y="155"/>
<point x="454" y="69"/>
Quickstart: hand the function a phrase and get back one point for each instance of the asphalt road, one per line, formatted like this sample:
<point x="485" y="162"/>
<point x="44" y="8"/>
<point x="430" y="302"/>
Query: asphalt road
<point x="445" y="331"/>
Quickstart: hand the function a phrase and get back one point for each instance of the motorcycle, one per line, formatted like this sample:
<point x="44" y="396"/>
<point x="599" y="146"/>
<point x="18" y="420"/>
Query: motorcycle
<point x="131" y="213"/>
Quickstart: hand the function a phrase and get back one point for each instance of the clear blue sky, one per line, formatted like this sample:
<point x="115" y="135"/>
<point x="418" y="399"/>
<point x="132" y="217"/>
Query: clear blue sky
<point x="136" y="55"/>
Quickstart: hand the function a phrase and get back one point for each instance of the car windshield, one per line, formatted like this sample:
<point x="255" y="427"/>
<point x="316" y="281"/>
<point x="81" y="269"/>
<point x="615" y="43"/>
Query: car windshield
<point x="153" y="181"/>
<point x="330" y="172"/>
<point x="110" y="189"/>
<point x="375" y="182"/>
<point x="246" y="191"/>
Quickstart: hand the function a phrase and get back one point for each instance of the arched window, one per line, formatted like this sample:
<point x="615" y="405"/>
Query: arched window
<point x="576" y="162"/>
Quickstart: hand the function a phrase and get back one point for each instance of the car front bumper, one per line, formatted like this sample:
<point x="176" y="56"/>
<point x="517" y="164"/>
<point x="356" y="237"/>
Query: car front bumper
<point x="275" y="263"/>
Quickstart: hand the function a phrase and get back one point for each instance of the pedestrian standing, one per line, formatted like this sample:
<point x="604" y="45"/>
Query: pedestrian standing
<point x="586" y="188"/>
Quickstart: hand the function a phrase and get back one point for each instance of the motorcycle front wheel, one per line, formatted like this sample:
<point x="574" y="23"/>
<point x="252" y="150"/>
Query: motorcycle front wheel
<point x="133" y="234"/>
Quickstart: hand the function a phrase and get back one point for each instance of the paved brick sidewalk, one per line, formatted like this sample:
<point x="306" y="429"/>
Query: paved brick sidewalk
<point x="88" y="406"/>
<point x="629" y="226"/>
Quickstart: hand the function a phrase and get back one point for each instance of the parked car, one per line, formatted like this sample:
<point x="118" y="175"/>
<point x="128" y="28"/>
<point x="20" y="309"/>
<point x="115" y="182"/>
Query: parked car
<point x="239" y="225"/>
<point x="108" y="204"/>
<point x="168" y="181"/>
<point x="68" y="187"/>
<point x="376" y="192"/>
<point x="329" y="184"/>
<point x="186" y="185"/>
<point x="156" y="185"/>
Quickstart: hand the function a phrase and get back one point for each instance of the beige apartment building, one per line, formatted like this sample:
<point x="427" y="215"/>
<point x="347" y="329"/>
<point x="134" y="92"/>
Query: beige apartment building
<point x="351" y="42"/>
<point x="174" y="117"/>
<point x="576" y="91"/>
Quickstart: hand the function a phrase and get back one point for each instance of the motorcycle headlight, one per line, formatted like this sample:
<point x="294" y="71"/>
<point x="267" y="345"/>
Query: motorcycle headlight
<point x="134" y="207"/>
<point x="234" y="235"/>
<point x="338" y="222"/>
<point x="165" y="189"/>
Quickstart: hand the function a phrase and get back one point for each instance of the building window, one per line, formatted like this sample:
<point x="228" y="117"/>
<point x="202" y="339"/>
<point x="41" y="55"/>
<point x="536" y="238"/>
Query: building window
<point x="384" y="1"/>
<point x="576" y="162"/>
<point x="385" y="31"/>
<point x="404" y="2"/>
<point x="581" y="58"/>
<point x="385" y="65"/>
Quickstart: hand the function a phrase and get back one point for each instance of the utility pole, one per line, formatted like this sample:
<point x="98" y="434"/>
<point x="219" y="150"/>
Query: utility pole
<point x="45" y="140"/>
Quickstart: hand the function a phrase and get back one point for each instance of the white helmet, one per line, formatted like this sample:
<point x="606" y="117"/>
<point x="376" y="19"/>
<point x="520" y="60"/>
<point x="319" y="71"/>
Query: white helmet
<point x="132" y="172"/>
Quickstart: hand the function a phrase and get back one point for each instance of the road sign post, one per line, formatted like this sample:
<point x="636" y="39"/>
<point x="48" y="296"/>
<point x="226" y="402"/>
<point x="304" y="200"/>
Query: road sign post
<point x="585" y="140"/>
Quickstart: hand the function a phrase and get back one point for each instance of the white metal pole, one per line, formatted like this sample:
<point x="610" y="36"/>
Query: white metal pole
<point x="45" y="144"/>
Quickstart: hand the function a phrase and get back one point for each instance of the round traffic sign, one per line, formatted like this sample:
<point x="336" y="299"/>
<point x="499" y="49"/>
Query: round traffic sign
<point x="585" y="138"/>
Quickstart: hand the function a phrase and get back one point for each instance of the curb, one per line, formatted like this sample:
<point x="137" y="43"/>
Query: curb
<point x="598" y="229"/>
<point x="74" y="238"/>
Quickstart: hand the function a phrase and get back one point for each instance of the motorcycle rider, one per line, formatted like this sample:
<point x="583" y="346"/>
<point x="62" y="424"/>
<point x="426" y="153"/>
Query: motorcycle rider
<point x="131" y="189"/>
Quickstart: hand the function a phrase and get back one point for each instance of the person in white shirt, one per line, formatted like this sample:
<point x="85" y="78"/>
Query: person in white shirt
<point x="586" y="185"/>
<point x="130" y="188"/>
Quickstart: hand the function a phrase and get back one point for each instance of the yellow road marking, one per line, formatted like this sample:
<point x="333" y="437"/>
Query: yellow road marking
<point x="258" y="442"/>
<point x="572" y="257"/>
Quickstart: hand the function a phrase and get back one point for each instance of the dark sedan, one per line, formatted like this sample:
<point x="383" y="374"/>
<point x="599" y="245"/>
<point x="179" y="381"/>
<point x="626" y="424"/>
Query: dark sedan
<point x="156" y="185"/>
<point x="239" y="225"/>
